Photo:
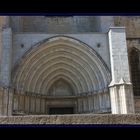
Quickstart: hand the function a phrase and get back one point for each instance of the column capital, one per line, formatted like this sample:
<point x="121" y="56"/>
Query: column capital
<point x="121" y="82"/>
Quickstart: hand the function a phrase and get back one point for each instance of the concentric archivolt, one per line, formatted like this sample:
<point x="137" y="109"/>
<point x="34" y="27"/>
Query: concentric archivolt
<point x="65" y="58"/>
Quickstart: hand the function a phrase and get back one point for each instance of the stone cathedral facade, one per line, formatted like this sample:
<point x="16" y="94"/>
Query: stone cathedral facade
<point x="69" y="65"/>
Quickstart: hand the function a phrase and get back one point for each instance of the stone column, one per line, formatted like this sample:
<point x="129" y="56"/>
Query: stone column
<point x="10" y="102"/>
<point x="1" y="101"/>
<point x="5" y="67"/>
<point x="121" y="93"/>
<point x="6" y="57"/>
<point x="6" y="101"/>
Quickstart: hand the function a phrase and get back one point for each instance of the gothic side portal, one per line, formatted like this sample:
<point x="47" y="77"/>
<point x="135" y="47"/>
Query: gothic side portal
<point x="62" y="72"/>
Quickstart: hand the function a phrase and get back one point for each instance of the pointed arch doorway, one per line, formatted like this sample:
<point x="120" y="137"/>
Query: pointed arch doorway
<point x="61" y="89"/>
<point x="62" y="75"/>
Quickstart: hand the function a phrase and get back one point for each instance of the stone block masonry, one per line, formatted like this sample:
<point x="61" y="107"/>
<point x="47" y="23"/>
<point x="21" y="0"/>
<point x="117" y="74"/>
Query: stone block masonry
<point x="6" y="99"/>
<point x="73" y="119"/>
<point x="6" y="58"/>
<point x="120" y="87"/>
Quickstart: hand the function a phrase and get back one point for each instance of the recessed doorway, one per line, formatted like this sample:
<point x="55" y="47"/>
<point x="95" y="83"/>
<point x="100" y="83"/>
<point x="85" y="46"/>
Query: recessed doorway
<point x="61" y="110"/>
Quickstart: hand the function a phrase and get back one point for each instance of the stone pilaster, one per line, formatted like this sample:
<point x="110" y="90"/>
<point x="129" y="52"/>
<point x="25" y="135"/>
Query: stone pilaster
<point x="6" y="101"/>
<point x="6" y="56"/>
<point x="122" y="101"/>
<point x="1" y="101"/>
<point x="10" y="102"/>
<point x="121" y="93"/>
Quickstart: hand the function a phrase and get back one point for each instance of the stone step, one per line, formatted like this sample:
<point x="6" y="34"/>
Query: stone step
<point x="73" y="119"/>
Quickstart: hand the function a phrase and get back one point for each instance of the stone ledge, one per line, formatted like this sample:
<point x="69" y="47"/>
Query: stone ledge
<point x="72" y="119"/>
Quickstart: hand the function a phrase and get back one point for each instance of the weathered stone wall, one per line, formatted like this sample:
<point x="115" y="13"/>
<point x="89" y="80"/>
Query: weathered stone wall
<point x="132" y="27"/>
<point x="54" y="24"/>
<point x="1" y="21"/>
<point x="0" y="50"/>
<point x="137" y="104"/>
<point x="105" y="23"/>
<point x="6" y="56"/>
<point x="29" y="40"/>
<point x="133" y="43"/>
<point x="4" y="21"/>
<point x="131" y="23"/>
<point x="73" y="119"/>
<point x="61" y="24"/>
<point x="6" y="100"/>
